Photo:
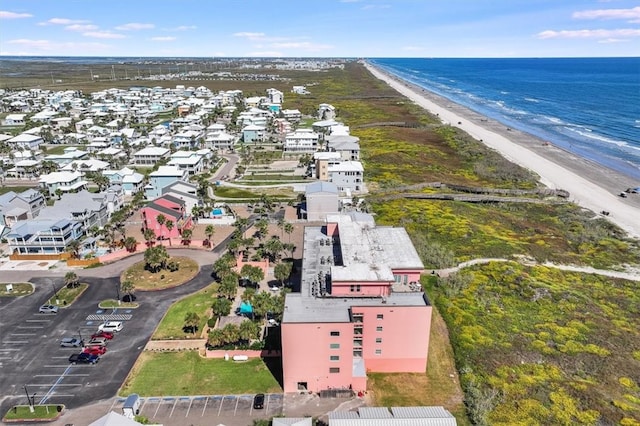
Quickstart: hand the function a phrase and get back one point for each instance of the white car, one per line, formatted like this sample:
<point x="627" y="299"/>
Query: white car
<point x="112" y="326"/>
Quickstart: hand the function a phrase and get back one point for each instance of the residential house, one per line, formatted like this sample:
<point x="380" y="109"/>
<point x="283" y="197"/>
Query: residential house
<point x="87" y="208"/>
<point x="321" y="162"/>
<point x="70" y="154"/>
<point x="43" y="236"/>
<point x="219" y="140"/>
<point x="184" y="191"/>
<point x="14" y="120"/>
<point x="172" y="209"/>
<point x="292" y="115"/>
<point x="358" y="309"/>
<point x="149" y="156"/>
<point x="162" y="177"/>
<point x="299" y="90"/>
<point x="64" y="181"/>
<point x="130" y="180"/>
<point x="90" y="165"/>
<point x="347" y="176"/>
<point x="187" y="139"/>
<point x="321" y="200"/>
<point x="348" y="146"/>
<point x="301" y="141"/>
<point x="189" y="161"/>
<point x="24" y="169"/>
<point x="15" y="207"/>
<point x="25" y="141"/>
<point x="275" y="96"/>
<point x="253" y="134"/>
<point x="326" y="112"/>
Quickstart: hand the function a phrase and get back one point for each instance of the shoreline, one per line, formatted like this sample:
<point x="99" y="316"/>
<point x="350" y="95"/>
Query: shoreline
<point x="590" y="185"/>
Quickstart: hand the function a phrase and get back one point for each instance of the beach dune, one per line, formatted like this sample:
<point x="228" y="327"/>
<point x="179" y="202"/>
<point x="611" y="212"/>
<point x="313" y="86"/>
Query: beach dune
<point x="590" y="185"/>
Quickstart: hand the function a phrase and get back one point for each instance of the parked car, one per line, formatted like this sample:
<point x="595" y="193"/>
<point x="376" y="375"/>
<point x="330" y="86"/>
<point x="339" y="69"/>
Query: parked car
<point x="95" y="350"/>
<point x="84" y="358"/>
<point x="48" y="309"/>
<point x="111" y="326"/>
<point x="71" y="342"/>
<point x="97" y="341"/>
<point x="105" y="334"/>
<point x="258" y="401"/>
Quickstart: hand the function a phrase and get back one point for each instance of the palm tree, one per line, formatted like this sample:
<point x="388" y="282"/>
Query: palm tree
<point x="281" y="224"/>
<point x="186" y="236"/>
<point x="216" y="338"/>
<point x="221" y="307"/>
<point x="263" y="226"/>
<point x="160" y="220"/>
<point x="191" y="322"/>
<point x="155" y="258"/>
<point x="169" y="225"/>
<point x="282" y="271"/>
<point x="252" y="273"/>
<point x="149" y="236"/>
<point x="71" y="280"/>
<point x="248" y="330"/>
<point x="73" y="248"/>
<point x="130" y="243"/>
<point x="128" y="288"/>
<point x="228" y="286"/>
<point x="288" y="228"/>
<point x="209" y="231"/>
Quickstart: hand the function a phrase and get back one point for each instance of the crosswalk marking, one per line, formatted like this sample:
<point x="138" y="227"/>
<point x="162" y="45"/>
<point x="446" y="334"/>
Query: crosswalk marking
<point x="111" y="317"/>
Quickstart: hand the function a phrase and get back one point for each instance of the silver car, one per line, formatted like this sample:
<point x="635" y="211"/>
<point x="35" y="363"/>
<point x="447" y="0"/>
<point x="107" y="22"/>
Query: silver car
<point x="48" y="309"/>
<point x="71" y="342"/>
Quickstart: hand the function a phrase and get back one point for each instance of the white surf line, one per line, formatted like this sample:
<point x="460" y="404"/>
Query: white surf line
<point x="48" y="394"/>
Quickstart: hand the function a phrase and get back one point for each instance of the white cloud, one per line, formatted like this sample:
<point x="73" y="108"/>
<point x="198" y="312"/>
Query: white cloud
<point x="81" y="27"/>
<point x="65" y="21"/>
<point x="5" y="14"/>
<point x="265" y="53"/>
<point x="103" y="34"/>
<point x="48" y="45"/>
<point x="604" y="34"/>
<point x="612" y="40"/>
<point x="631" y="15"/>
<point x="305" y="45"/>
<point x="183" y="28"/>
<point x="376" y="6"/>
<point x="163" y="38"/>
<point x="250" y="36"/>
<point x="134" y="26"/>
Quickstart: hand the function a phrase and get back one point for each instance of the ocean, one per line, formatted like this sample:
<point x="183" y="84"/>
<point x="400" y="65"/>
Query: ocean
<point x="588" y="106"/>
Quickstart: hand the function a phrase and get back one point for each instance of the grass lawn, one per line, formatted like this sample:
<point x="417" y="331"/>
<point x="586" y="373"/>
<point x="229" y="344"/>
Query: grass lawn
<point x="59" y="149"/>
<point x="146" y="280"/>
<point x="19" y="289"/>
<point x="66" y="296"/>
<point x="186" y="373"/>
<point x="171" y="325"/>
<point x="436" y="387"/>
<point x="40" y="412"/>
<point x="230" y="192"/>
<point x="16" y="189"/>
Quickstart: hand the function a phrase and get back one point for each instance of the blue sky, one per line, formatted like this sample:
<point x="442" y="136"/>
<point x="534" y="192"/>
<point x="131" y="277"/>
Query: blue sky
<point x="330" y="28"/>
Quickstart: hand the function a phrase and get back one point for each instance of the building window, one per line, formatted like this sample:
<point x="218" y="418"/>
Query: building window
<point x="380" y="316"/>
<point x="357" y="317"/>
<point x="357" y="331"/>
<point x="335" y="333"/>
<point x="378" y="351"/>
<point x="357" y="343"/>
<point x="378" y="339"/>
<point x="334" y="345"/>
<point x="334" y="358"/>
<point x="357" y="353"/>
<point x="379" y="328"/>
<point x="334" y="370"/>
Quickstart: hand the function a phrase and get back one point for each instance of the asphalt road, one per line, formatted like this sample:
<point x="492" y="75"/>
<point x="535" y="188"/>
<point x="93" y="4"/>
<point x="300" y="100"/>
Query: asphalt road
<point x="30" y="352"/>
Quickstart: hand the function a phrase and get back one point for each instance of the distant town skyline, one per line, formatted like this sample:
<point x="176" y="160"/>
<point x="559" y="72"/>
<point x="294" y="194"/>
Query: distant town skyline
<point x="336" y="28"/>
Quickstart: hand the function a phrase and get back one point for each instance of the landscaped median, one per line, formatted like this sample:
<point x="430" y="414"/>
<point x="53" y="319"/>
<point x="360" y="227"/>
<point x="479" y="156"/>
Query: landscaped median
<point x="149" y="280"/>
<point x="15" y="289"/>
<point x="41" y="413"/>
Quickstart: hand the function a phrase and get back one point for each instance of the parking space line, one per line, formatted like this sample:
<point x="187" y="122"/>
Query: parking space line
<point x="173" y="408"/>
<point x="40" y="385"/>
<point x="221" y="402"/>
<point x="157" y="408"/>
<point x="38" y="320"/>
<point x="57" y="375"/>
<point x="189" y="409"/>
<point x="10" y="349"/>
<point x="22" y="334"/>
<point x="236" y="409"/>
<point x="57" y="366"/>
<point x="30" y="326"/>
<point x="205" y="406"/>
<point x="16" y="342"/>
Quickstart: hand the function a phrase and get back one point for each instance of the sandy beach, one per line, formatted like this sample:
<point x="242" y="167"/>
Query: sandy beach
<point x="591" y="186"/>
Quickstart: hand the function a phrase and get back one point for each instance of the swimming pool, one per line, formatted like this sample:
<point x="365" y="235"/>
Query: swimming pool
<point x="216" y="212"/>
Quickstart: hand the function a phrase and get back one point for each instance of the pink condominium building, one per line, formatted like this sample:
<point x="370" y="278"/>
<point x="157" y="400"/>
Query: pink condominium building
<point x="359" y="308"/>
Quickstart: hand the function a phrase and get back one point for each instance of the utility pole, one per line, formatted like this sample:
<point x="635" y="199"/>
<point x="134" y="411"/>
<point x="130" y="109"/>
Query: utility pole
<point x="30" y="399"/>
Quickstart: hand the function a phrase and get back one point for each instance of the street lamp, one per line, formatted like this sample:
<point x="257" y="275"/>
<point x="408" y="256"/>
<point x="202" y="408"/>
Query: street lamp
<point x="118" y="292"/>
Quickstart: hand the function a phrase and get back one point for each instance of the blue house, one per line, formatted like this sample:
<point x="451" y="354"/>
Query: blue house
<point x="164" y="176"/>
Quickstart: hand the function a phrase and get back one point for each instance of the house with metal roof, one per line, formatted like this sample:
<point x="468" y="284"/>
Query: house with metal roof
<point x="43" y="236"/>
<point x="395" y="416"/>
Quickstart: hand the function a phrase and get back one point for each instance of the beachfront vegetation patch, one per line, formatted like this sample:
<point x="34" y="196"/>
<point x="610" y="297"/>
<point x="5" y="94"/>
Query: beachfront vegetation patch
<point x="187" y="373"/>
<point x="172" y="325"/>
<point x="538" y="344"/>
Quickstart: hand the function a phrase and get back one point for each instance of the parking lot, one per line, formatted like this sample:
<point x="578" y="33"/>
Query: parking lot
<point x="31" y="359"/>
<point x="227" y="409"/>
